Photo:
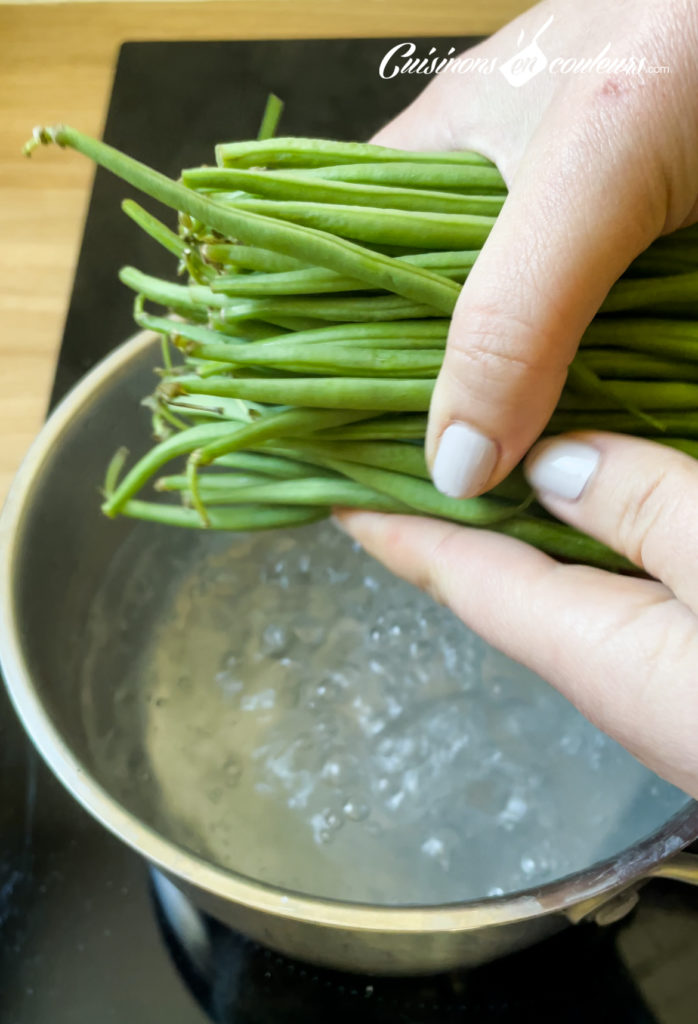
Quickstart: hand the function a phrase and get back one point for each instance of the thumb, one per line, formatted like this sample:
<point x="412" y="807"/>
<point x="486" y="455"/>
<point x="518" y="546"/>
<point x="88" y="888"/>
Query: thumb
<point x="575" y="217"/>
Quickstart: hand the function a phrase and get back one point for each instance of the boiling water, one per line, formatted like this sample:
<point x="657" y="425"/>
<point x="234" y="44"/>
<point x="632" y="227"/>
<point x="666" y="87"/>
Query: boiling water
<point x="287" y="709"/>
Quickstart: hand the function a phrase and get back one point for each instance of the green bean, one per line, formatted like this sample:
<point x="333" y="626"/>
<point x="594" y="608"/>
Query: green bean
<point x="249" y="257"/>
<point x="401" y="458"/>
<point x="653" y="263"/>
<point x="317" y="247"/>
<point x="638" y="366"/>
<point x="319" y="190"/>
<point x="675" y="253"/>
<point x="179" y="444"/>
<point x="604" y="394"/>
<point x="204" y="367"/>
<point x="224" y="489"/>
<point x="470" y="178"/>
<point x="356" y="393"/>
<point x="678" y="423"/>
<point x="423" y="496"/>
<point x="402" y="344"/>
<point x="299" y="152"/>
<point x="315" y="280"/>
<point x="650" y="293"/>
<point x="372" y="309"/>
<point x="255" y="517"/>
<point x="642" y="394"/>
<point x="342" y="360"/>
<point x="272" y="115"/>
<point x="366" y="224"/>
<point x="312" y="281"/>
<point x="190" y="297"/>
<point x="247" y="330"/>
<point x="155" y="228"/>
<point x="210" y="407"/>
<point x="397" y="456"/>
<point x="286" y="322"/>
<point x="189" y="258"/>
<point x="217" y="438"/>
<point x="288" y="422"/>
<point x="429" y="333"/>
<point x="210" y="482"/>
<point x="196" y="333"/>
<point x="563" y="541"/>
<point x="266" y="464"/>
<point x="384" y="428"/>
<point x="677" y="339"/>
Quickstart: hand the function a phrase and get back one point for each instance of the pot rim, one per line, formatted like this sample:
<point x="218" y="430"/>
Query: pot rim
<point x="607" y="876"/>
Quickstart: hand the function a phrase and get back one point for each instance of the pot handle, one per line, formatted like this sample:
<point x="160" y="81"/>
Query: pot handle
<point x="683" y="867"/>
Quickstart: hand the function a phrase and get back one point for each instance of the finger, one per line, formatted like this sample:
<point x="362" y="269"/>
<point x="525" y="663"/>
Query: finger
<point x="639" y="498"/>
<point x="622" y="650"/>
<point x="579" y="210"/>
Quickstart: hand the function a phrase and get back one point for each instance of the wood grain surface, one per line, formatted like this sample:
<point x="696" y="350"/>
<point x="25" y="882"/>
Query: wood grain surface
<point x="57" y="65"/>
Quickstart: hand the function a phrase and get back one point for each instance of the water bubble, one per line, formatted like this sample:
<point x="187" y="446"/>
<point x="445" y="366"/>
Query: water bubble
<point x="514" y="810"/>
<point x="355" y="810"/>
<point x="433" y="847"/>
<point x="326" y="824"/>
<point x="571" y="744"/>
<point x="330" y="690"/>
<point x="397" y="752"/>
<point x="263" y="700"/>
<point x="228" y="683"/>
<point x="340" y="769"/>
<point x="275" y="641"/>
<point x="528" y="865"/>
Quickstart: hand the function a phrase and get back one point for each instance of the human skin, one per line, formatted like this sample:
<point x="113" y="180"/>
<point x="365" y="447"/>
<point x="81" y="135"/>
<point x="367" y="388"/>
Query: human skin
<point x="598" y="166"/>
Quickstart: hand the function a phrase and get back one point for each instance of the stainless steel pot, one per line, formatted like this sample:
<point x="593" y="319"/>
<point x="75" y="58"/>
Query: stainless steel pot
<point x="54" y="547"/>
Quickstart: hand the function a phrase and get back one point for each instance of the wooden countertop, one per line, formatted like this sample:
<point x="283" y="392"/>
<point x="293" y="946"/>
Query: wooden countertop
<point x="57" y="66"/>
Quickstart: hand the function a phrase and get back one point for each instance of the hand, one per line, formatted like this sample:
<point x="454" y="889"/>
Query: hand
<point x="623" y="650"/>
<point x="597" y="166"/>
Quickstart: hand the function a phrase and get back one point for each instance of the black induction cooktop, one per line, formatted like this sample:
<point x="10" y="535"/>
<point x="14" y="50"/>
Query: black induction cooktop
<point x="84" y="936"/>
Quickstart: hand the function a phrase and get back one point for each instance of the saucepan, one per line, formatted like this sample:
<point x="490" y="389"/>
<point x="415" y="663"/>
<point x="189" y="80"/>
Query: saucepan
<point x="310" y="751"/>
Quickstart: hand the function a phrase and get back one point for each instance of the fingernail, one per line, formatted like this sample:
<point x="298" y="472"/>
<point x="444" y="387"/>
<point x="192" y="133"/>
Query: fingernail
<point x="562" y="468"/>
<point x="464" y="461"/>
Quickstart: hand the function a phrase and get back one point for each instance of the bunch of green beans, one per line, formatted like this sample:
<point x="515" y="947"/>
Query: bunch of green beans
<point x="300" y="351"/>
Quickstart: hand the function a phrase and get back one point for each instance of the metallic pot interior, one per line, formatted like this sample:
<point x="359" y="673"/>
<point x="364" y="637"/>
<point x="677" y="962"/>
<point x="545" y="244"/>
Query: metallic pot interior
<point x="55" y="548"/>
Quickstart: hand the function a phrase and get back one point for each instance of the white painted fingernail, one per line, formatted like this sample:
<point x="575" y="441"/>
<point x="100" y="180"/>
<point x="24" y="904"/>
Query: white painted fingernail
<point x="562" y="468"/>
<point x="464" y="461"/>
